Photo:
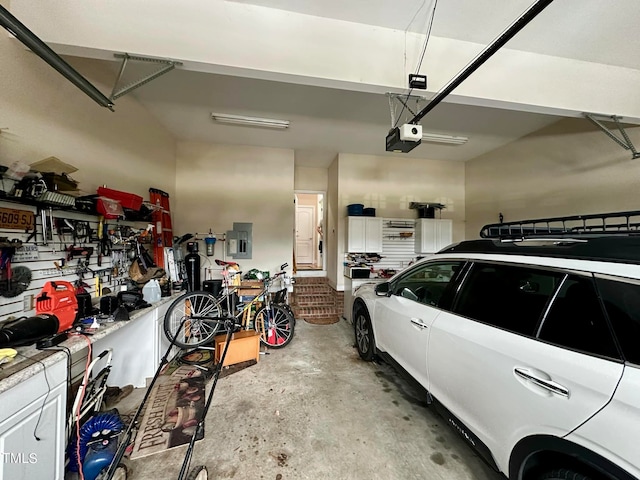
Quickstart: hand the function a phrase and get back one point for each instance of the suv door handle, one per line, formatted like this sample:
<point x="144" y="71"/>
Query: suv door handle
<point x="547" y="384"/>
<point x="419" y="323"/>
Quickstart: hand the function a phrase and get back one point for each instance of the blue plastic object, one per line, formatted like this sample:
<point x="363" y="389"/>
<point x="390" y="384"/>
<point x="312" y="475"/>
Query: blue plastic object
<point x="98" y="444"/>
<point x="98" y="458"/>
<point x="355" y="209"/>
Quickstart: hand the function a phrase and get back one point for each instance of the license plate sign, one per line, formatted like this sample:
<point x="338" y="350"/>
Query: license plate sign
<point x="16" y="219"/>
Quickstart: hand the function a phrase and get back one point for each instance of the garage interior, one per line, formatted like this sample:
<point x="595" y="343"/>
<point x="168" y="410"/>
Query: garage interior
<point x="337" y="74"/>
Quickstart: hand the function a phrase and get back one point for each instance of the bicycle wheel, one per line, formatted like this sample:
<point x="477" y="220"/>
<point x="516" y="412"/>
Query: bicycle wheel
<point x="275" y="326"/>
<point x="200" y="312"/>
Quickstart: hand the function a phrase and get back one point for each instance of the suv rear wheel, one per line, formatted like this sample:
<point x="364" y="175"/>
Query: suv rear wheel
<point x="563" y="474"/>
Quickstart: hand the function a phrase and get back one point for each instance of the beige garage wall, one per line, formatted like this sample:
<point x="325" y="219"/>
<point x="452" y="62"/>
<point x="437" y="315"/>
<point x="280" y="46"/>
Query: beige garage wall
<point x="390" y="184"/>
<point x="310" y="179"/>
<point x="47" y="116"/>
<point x="331" y="229"/>
<point x="568" y="168"/>
<point x="217" y="185"/>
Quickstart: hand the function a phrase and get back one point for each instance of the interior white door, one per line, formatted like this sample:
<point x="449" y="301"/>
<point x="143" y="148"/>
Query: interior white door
<point x="305" y="225"/>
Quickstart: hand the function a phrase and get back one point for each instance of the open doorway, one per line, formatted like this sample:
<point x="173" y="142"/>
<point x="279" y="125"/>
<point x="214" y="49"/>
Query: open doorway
<point x="309" y="247"/>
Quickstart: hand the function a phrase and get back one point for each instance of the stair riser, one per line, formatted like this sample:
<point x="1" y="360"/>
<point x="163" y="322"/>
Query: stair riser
<point x="315" y="312"/>
<point x="310" y="300"/>
<point x="310" y="280"/>
<point x="312" y="289"/>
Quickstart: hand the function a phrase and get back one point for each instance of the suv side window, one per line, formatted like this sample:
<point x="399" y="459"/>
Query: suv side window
<point x="622" y="303"/>
<point x="512" y="297"/>
<point x="576" y="320"/>
<point x="427" y="283"/>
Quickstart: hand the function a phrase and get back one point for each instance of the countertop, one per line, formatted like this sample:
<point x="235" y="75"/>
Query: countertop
<point x="29" y="360"/>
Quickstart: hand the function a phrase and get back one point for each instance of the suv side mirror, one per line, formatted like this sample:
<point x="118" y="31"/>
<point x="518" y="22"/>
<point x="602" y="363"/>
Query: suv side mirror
<point x="382" y="289"/>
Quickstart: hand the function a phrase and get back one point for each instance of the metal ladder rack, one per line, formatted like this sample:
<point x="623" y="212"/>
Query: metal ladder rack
<point x="615" y="223"/>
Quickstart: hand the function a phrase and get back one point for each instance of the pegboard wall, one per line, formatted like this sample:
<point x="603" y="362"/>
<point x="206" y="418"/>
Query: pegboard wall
<point x="49" y="259"/>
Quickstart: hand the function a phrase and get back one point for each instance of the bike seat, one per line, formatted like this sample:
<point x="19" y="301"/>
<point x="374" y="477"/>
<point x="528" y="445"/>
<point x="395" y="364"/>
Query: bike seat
<point x="224" y="263"/>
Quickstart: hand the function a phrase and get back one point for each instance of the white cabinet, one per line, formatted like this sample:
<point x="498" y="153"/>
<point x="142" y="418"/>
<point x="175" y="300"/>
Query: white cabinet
<point x="433" y="234"/>
<point x="35" y="407"/>
<point x="364" y="235"/>
<point x="137" y="346"/>
<point x="133" y="348"/>
<point x="162" y="342"/>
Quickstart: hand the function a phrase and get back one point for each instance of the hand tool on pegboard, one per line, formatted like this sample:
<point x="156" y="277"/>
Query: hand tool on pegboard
<point x="162" y="233"/>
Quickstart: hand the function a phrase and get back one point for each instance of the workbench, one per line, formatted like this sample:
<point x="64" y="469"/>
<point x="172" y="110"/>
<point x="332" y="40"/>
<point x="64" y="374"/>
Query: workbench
<point x="34" y="389"/>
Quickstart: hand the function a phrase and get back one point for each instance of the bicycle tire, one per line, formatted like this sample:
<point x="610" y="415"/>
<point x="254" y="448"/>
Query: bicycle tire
<point x="194" y="332"/>
<point x="275" y="325"/>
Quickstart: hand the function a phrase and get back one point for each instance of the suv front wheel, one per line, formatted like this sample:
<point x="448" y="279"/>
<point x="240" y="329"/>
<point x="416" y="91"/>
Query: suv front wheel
<point x="365" y="343"/>
<point x="563" y="474"/>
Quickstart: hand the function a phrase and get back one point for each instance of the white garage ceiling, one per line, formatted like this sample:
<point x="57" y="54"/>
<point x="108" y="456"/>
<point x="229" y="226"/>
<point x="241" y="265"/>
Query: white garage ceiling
<point x="323" y="121"/>
<point x="590" y="30"/>
<point x="326" y="121"/>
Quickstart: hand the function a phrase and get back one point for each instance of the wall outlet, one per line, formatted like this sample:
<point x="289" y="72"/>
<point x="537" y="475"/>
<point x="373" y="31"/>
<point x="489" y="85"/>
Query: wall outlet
<point x="27" y="302"/>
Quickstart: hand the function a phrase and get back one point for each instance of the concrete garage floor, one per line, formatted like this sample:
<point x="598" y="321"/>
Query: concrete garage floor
<point x="314" y="410"/>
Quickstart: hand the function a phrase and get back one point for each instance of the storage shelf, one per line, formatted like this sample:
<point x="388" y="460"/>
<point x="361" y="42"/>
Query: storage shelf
<point x="400" y="224"/>
<point x="399" y="237"/>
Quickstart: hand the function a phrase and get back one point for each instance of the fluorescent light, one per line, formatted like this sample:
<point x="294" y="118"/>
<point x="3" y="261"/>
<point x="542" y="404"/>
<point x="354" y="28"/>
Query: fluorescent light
<point x="249" y="121"/>
<point x="449" y="139"/>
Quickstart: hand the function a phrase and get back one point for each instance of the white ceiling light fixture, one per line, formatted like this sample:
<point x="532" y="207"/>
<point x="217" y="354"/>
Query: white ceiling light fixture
<point x="249" y="121"/>
<point x="448" y="139"/>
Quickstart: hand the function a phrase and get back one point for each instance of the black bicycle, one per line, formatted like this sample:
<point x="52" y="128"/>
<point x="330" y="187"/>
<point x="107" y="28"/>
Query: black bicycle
<point x="194" y="318"/>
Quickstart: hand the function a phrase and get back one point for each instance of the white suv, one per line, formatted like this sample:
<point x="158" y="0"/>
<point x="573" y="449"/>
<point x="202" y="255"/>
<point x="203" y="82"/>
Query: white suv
<point x="530" y="350"/>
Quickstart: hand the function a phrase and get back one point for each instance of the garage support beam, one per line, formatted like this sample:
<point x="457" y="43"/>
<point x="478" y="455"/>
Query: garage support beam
<point x="351" y="56"/>
<point x="625" y="142"/>
<point x="168" y="66"/>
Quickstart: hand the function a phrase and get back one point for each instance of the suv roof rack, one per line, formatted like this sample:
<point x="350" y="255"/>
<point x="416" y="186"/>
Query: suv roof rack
<point x="617" y="248"/>
<point x="615" y="223"/>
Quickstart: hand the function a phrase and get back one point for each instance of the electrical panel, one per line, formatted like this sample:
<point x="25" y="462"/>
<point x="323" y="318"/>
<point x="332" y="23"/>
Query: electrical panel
<point x="240" y="241"/>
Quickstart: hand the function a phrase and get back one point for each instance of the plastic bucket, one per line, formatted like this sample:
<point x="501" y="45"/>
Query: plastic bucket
<point x="212" y="286"/>
<point x="369" y="212"/>
<point x="355" y="209"/>
<point x="426" y="212"/>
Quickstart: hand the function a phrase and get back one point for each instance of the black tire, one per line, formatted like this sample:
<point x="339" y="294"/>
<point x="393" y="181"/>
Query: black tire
<point x="194" y="331"/>
<point x="198" y="472"/>
<point x="289" y="310"/>
<point x="275" y="325"/>
<point x="365" y="343"/>
<point x="563" y="474"/>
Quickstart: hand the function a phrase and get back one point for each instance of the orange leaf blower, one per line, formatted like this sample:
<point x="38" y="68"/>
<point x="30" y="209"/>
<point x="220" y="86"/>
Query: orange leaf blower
<point x="56" y="311"/>
<point x="58" y="298"/>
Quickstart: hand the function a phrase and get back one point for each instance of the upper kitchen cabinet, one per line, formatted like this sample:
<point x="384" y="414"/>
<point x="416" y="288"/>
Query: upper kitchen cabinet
<point x="433" y="234"/>
<point x="364" y="235"/>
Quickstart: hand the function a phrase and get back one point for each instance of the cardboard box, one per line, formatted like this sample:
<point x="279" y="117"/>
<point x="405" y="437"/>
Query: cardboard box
<point x="244" y="346"/>
<point x="250" y="288"/>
